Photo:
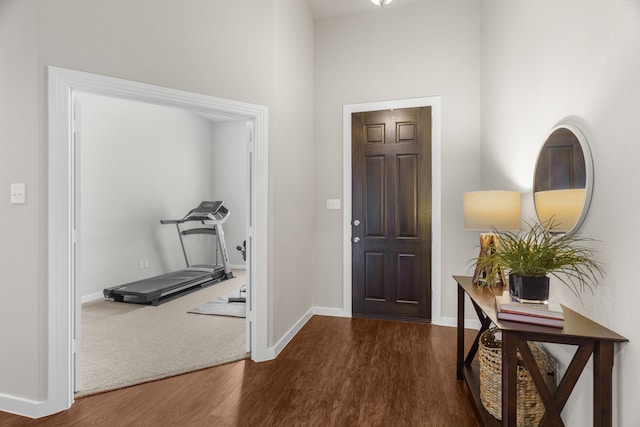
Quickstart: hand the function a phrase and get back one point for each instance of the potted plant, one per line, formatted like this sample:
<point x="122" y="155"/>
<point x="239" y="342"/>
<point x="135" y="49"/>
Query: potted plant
<point x="531" y="255"/>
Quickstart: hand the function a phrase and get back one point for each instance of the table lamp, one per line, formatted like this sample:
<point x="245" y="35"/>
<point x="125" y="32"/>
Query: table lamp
<point x="491" y="210"/>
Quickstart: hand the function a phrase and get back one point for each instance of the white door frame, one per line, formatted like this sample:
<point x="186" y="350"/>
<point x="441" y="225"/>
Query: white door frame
<point x="61" y="306"/>
<point x="436" y="192"/>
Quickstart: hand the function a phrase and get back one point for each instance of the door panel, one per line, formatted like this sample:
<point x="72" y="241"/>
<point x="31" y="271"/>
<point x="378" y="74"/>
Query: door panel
<point x="391" y="155"/>
<point x="406" y="207"/>
<point x="374" y="184"/>
<point x="407" y="278"/>
<point x="374" y="270"/>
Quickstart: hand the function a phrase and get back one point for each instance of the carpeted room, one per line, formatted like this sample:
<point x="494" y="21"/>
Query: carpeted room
<point x="140" y="164"/>
<point x="125" y="344"/>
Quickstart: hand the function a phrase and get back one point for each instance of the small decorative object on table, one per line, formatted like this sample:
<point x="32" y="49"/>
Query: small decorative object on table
<point x="530" y="407"/>
<point x="539" y="252"/>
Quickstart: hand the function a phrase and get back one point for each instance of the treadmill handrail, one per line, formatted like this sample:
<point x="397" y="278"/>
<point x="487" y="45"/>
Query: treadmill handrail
<point x="199" y="231"/>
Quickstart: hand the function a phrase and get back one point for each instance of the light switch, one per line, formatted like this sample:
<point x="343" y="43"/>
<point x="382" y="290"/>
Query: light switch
<point x="333" y="203"/>
<point x="18" y="193"/>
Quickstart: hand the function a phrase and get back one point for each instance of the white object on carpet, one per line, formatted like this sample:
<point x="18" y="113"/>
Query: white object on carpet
<point x="222" y="307"/>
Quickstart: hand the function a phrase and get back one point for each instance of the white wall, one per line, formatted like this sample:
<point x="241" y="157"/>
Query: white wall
<point x="425" y="48"/>
<point x="229" y="182"/>
<point x="22" y="259"/>
<point x="140" y="163"/>
<point x="255" y="51"/>
<point x="223" y="49"/>
<point x="291" y="165"/>
<point x="547" y="60"/>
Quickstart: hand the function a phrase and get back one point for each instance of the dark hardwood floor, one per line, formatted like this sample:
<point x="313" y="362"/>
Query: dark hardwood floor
<point x="335" y="372"/>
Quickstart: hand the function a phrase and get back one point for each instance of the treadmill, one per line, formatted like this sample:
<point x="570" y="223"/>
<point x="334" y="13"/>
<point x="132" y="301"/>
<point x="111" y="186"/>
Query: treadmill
<point x="158" y="289"/>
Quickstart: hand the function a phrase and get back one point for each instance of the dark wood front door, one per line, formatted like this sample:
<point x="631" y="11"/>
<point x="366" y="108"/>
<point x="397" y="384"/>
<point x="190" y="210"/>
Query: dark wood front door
<point x="391" y="217"/>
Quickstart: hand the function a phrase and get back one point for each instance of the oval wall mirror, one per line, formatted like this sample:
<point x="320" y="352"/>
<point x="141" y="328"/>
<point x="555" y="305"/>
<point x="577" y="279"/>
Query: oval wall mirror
<point x="563" y="179"/>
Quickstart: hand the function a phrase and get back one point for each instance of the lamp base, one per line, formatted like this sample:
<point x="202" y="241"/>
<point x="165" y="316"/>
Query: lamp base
<point x="493" y="276"/>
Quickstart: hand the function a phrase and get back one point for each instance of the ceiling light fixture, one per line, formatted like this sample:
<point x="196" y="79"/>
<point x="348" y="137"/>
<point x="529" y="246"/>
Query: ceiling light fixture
<point x="381" y="3"/>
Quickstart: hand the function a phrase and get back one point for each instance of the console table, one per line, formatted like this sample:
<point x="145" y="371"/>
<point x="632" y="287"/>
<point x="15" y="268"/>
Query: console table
<point x="589" y="337"/>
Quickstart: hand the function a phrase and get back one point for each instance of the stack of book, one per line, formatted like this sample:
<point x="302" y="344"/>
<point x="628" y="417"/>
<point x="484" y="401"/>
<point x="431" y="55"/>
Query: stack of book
<point x="510" y="309"/>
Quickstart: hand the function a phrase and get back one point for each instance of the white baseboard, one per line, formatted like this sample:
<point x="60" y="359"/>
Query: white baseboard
<point x="282" y="343"/>
<point x="20" y="406"/>
<point x="453" y="322"/>
<point x="92" y="297"/>
<point x="263" y="356"/>
<point x="329" y="311"/>
<point x="273" y="352"/>
<point x="442" y="321"/>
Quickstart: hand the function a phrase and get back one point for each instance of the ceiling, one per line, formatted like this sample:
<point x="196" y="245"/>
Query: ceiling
<point x="326" y="8"/>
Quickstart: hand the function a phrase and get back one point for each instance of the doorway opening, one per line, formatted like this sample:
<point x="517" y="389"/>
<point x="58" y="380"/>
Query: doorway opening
<point x="139" y="165"/>
<point x="436" y="238"/>
<point x="63" y="235"/>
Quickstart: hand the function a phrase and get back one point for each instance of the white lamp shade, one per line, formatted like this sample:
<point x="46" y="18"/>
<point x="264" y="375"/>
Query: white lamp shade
<point x="485" y="210"/>
<point x="381" y="2"/>
<point x="564" y="206"/>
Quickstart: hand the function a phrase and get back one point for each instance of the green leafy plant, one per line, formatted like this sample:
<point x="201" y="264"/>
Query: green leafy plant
<point x="537" y="251"/>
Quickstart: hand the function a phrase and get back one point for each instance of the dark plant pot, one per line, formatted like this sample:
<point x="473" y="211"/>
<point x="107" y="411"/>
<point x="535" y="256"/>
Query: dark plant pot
<point x="529" y="289"/>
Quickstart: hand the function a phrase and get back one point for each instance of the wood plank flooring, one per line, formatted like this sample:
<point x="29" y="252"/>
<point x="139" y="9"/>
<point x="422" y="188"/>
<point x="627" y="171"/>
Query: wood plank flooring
<point x="335" y="372"/>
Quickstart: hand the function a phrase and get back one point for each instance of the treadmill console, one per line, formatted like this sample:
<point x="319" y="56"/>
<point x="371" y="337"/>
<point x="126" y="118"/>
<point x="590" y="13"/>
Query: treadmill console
<point x="207" y="211"/>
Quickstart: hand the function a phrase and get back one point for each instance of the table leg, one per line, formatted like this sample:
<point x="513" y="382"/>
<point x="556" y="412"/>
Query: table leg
<point x="509" y="378"/>
<point x="602" y="387"/>
<point x="460" y="331"/>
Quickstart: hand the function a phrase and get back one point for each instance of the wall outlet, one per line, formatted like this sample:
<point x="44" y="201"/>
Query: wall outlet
<point x="333" y="203"/>
<point x="18" y="193"/>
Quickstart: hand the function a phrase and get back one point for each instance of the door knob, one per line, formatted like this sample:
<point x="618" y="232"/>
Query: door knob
<point x="356" y="239"/>
<point x="356" y="222"/>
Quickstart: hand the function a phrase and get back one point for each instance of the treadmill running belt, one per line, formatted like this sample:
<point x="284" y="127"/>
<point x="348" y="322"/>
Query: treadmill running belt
<point x="165" y="281"/>
<point x="163" y="288"/>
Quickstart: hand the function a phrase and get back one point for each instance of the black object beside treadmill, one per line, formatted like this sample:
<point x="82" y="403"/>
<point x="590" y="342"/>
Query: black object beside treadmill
<point x="243" y="288"/>
<point x="164" y="287"/>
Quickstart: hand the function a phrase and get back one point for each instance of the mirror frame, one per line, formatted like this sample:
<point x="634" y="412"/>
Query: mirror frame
<point x="588" y="166"/>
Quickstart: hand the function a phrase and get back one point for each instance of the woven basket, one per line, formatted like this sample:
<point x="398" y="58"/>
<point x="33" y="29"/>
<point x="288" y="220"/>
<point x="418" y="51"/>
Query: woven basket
<point x="530" y="408"/>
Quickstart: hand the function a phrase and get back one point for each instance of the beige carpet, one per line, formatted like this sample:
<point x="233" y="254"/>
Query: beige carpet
<point x="125" y="344"/>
